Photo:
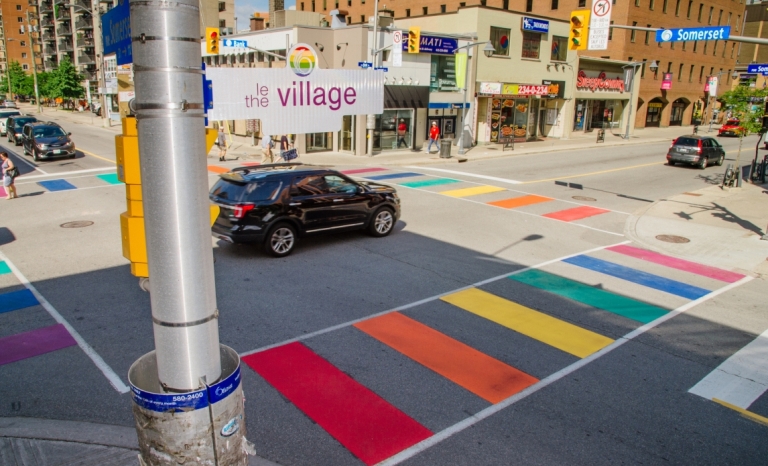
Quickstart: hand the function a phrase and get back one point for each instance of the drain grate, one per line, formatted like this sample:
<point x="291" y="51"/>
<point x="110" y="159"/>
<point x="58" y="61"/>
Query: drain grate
<point x="673" y="239"/>
<point x="77" y="224"/>
<point x="584" y="198"/>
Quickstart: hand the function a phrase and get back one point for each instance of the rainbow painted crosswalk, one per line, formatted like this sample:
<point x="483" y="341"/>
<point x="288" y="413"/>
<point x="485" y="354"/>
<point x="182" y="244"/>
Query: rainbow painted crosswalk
<point x="71" y="183"/>
<point x="566" y="310"/>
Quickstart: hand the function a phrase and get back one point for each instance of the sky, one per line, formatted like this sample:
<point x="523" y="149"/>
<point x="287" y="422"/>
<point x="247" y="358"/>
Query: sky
<point x="245" y="8"/>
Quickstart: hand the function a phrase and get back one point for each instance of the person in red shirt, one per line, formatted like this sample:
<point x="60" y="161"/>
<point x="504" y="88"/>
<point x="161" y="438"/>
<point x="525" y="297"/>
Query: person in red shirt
<point x="401" y="130"/>
<point x="434" y="135"/>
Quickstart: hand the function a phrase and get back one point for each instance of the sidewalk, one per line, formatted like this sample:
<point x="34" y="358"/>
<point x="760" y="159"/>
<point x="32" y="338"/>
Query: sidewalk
<point x="242" y="148"/>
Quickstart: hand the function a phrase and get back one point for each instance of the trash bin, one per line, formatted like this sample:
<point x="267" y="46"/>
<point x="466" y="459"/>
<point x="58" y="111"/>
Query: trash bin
<point x="445" y="148"/>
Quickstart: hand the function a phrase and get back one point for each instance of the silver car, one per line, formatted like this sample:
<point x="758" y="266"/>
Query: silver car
<point x="696" y="150"/>
<point x="4" y="114"/>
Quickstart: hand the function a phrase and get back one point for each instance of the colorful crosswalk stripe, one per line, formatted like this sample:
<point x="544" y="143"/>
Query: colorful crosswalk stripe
<point x="3" y="193"/>
<point x="362" y="170"/>
<point x="4" y="268"/>
<point x="477" y="372"/>
<point x="562" y="335"/>
<point x="595" y="297"/>
<point x="217" y="169"/>
<point x="57" y="185"/>
<point x="427" y="183"/>
<point x="29" y="344"/>
<point x="16" y="300"/>
<point x="110" y="178"/>
<point x="577" y="213"/>
<point x="520" y="201"/>
<point x="466" y="192"/>
<point x="679" y="264"/>
<point x="366" y="424"/>
<point x="638" y="276"/>
<point x="740" y="379"/>
<point x="392" y="176"/>
<point x="251" y="164"/>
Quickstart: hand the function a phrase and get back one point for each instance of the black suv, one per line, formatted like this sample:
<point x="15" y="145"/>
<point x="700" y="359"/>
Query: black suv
<point x="14" y="125"/>
<point x="273" y="204"/>
<point x="46" y="140"/>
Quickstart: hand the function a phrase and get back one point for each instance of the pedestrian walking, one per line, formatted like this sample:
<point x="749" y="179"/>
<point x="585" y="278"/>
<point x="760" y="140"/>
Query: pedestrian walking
<point x="9" y="173"/>
<point x="434" y="137"/>
<point x="401" y="130"/>
<point x="266" y="149"/>
<point x="222" y="142"/>
<point x="284" y="145"/>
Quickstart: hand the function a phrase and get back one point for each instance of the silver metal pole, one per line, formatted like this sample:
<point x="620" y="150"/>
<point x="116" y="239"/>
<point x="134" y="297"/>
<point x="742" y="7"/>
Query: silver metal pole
<point x="374" y="60"/>
<point x="34" y="61"/>
<point x="99" y="52"/>
<point x="169" y="112"/>
<point x="464" y="105"/>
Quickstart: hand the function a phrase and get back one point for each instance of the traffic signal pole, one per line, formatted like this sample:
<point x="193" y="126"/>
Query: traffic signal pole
<point x="188" y="401"/>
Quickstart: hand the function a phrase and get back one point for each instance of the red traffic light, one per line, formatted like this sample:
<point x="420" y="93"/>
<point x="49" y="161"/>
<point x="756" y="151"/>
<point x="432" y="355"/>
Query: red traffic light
<point x="214" y="35"/>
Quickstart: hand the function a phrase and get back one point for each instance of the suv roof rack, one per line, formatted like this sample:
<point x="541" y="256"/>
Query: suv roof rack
<point x="267" y="166"/>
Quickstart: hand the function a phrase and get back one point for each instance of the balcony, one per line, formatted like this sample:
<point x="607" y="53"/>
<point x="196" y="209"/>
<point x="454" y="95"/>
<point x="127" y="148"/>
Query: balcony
<point x="64" y="31"/>
<point x="46" y="7"/>
<point x="63" y="16"/>
<point x="82" y="4"/>
<point x="49" y="37"/>
<point x="89" y="75"/>
<point x="65" y="47"/>
<point x="86" y="59"/>
<point x="60" y="2"/>
<point x="66" y="54"/>
<point x="50" y="64"/>
<point x="84" y="42"/>
<point x="46" y="23"/>
<point x="83" y="23"/>
<point x="49" y="51"/>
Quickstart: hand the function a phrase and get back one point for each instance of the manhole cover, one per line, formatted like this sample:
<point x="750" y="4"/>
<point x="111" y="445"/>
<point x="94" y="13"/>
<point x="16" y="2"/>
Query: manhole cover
<point x="584" y="198"/>
<point x="77" y="224"/>
<point x="673" y="239"/>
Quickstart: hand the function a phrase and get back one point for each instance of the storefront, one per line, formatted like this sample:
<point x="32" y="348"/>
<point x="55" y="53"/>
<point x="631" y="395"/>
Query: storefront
<point x="510" y="111"/>
<point x="600" y="96"/>
<point x="653" y="113"/>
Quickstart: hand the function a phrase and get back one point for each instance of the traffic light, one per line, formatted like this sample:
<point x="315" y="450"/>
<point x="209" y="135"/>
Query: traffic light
<point x="579" y="34"/>
<point x="414" y="39"/>
<point x="212" y="40"/>
<point x="132" y="221"/>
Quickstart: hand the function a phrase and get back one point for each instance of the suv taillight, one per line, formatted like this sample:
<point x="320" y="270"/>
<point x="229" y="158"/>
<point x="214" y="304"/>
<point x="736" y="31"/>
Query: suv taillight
<point x="242" y="209"/>
<point x="698" y="149"/>
<point x="673" y="143"/>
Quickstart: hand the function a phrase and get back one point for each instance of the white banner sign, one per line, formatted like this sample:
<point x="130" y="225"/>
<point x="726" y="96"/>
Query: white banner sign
<point x="599" y="25"/>
<point x="397" y="48"/>
<point x="297" y="99"/>
<point x="713" y="86"/>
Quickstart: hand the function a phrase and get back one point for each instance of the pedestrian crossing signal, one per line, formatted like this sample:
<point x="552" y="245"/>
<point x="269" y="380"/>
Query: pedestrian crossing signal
<point x="579" y="33"/>
<point x="414" y="39"/>
<point x="212" y="40"/>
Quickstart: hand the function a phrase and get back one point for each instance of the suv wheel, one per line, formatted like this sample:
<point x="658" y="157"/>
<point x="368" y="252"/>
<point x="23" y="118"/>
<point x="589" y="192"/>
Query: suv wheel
<point x="281" y="240"/>
<point x="702" y="163"/>
<point x="720" y="160"/>
<point x="382" y="223"/>
<point x="35" y="157"/>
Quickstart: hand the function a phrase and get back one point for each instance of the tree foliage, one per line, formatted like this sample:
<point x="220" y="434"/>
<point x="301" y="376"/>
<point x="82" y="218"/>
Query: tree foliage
<point x="65" y="81"/>
<point x="747" y="104"/>
<point x="21" y="83"/>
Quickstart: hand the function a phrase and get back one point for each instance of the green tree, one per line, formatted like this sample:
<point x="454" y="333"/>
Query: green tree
<point x="65" y="81"/>
<point x="44" y="84"/>
<point x="748" y="105"/>
<point x="21" y="83"/>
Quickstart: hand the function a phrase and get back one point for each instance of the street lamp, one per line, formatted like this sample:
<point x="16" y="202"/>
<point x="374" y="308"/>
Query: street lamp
<point x="653" y="66"/>
<point x="99" y="54"/>
<point x="267" y="53"/>
<point x="488" y="50"/>
<point x="711" y="103"/>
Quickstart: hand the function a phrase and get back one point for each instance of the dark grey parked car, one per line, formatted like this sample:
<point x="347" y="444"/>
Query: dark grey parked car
<point x="696" y="150"/>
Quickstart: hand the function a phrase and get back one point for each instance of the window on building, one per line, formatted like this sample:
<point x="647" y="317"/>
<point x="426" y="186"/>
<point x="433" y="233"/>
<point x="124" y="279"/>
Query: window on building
<point x="711" y="11"/>
<point x="684" y="42"/>
<point x="690" y="7"/>
<point x="733" y="48"/>
<point x="349" y="3"/>
<point x="408" y="13"/>
<point x="701" y="11"/>
<point x="701" y="75"/>
<point x="222" y="6"/>
<point x="720" y="17"/>
<point x="642" y="69"/>
<point x="680" y="73"/>
<point x="714" y="52"/>
<point x="23" y="54"/>
<point x="610" y="32"/>
<point x="669" y="67"/>
<point x="362" y="18"/>
<point x="647" y="35"/>
<point x="313" y="5"/>
<point x="336" y="5"/>
<point x="529" y="6"/>
<point x="582" y="3"/>
<point x="23" y="43"/>
<point x="483" y="2"/>
<point x="633" y="33"/>
<point x="302" y="6"/>
<point x="738" y="22"/>
<point x="463" y="4"/>
<point x="500" y="40"/>
<point x="664" y="7"/>
<point x="677" y="8"/>
<point x="554" y="4"/>
<point x="559" y="48"/>
<point x="695" y="45"/>
<point x="637" y="2"/>
<point x="442" y="8"/>
<point x="706" y="43"/>
<point x="443" y="76"/>
<point x="425" y="10"/>
<point x="25" y="67"/>
<point x="725" y="46"/>
<point x="531" y="44"/>
<point x="672" y="46"/>
<point x="728" y="77"/>
<point x="18" y="7"/>
<point x="690" y="76"/>
<point x="325" y="5"/>
<point x="651" y="4"/>
<point x="222" y="23"/>
<point x="21" y="20"/>
<point x="505" y="4"/>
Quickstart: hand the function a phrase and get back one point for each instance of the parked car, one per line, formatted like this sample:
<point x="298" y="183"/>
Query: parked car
<point x="4" y="114"/>
<point x="276" y="203"/>
<point x="47" y="140"/>
<point x="732" y="127"/>
<point x="15" y="124"/>
<point x="9" y="104"/>
<point x="696" y="150"/>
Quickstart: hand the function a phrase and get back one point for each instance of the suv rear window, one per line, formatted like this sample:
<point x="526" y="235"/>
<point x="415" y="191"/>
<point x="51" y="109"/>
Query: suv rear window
<point x="690" y="142"/>
<point x="20" y="122"/>
<point x="253" y="191"/>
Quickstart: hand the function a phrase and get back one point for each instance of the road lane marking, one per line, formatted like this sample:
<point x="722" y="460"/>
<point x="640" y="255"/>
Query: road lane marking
<point x="679" y="264"/>
<point x="57" y="185"/>
<point x="217" y="169"/>
<point x="577" y="213"/>
<point x="75" y="172"/>
<point x="110" y="374"/>
<point x="471" y="175"/>
<point x="483" y="375"/>
<point x="740" y="379"/>
<point x="748" y="414"/>
<point x="22" y="157"/>
<point x="16" y="300"/>
<point x="545" y="382"/>
<point x="520" y="201"/>
<point x="366" y="424"/>
<point x="477" y="190"/>
<point x="363" y="170"/>
<point x="97" y="156"/>
<point x="594" y="173"/>
<point x="34" y="343"/>
<point x="427" y="183"/>
<point x="110" y="178"/>
<point x="392" y="176"/>
<point x="552" y="331"/>
<point x="4" y="268"/>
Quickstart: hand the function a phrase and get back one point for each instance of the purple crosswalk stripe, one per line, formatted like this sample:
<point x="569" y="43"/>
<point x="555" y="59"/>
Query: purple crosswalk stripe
<point x="29" y="344"/>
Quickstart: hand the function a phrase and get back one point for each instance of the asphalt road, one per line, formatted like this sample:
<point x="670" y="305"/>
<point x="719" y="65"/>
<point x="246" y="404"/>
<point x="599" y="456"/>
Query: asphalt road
<point x="595" y="370"/>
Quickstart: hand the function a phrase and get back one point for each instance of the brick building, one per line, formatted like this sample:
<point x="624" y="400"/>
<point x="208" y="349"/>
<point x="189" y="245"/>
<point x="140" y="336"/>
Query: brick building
<point x="690" y="63"/>
<point x="15" y="37"/>
<point x="756" y="25"/>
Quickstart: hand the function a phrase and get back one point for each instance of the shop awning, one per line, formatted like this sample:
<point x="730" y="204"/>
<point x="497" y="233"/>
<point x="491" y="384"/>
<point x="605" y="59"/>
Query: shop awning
<point x="406" y="96"/>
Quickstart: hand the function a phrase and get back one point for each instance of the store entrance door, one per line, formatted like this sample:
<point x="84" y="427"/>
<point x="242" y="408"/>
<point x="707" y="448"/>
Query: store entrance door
<point x="347" y="134"/>
<point x="653" y="115"/>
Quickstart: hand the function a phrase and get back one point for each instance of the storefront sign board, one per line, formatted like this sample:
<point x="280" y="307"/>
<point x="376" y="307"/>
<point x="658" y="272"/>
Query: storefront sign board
<point x="535" y="25"/>
<point x="555" y="89"/>
<point x="435" y="45"/>
<point x="600" y="82"/>
<point x="490" y="88"/>
<point x="524" y="89"/>
<point x="599" y="25"/>
<point x="666" y="83"/>
<point x="299" y="98"/>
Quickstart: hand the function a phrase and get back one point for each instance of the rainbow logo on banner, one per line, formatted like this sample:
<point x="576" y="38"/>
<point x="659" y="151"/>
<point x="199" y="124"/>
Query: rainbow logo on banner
<point x="302" y="59"/>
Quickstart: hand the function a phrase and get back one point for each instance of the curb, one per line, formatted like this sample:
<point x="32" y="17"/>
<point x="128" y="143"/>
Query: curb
<point x="69" y="431"/>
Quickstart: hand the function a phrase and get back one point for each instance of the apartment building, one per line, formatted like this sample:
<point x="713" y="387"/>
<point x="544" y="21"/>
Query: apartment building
<point x="756" y="25"/>
<point x="689" y="62"/>
<point x="16" y="39"/>
<point x="226" y="17"/>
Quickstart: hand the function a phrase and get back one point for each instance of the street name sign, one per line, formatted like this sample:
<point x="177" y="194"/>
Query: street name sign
<point x="116" y="33"/>
<point x="234" y="43"/>
<point x="381" y="68"/>
<point x="758" y="68"/>
<point x="686" y="34"/>
<point x="365" y="64"/>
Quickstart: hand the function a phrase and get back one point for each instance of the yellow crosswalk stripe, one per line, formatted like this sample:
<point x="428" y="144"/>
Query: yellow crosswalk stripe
<point x="472" y="191"/>
<point x="567" y="337"/>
